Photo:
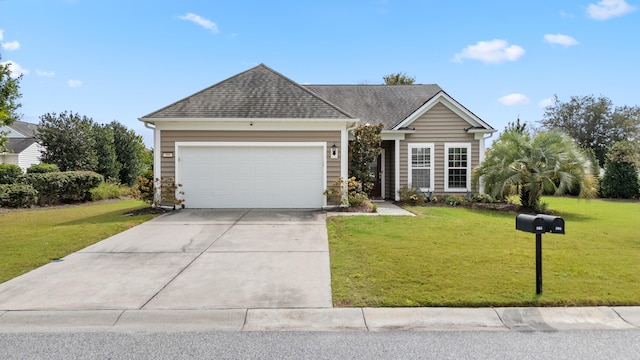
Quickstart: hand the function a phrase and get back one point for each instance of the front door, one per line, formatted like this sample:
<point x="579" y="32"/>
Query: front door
<point x="376" y="169"/>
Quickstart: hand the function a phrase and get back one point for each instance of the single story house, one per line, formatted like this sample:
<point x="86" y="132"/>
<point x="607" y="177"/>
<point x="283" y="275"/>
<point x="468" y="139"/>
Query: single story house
<point x="261" y="140"/>
<point x="24" y="151"/>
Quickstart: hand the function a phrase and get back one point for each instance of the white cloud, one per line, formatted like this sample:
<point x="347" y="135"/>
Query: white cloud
<point x="74" y="83"/>
<point x="514" y="99"/>
<point x="546" y="102"/>
<point x="15" y="68"/>
<point x="491" y="52"/>
<point x="12" y="45"/>
<point x="205" y="23"/>
<point x="559" y="39"/>
<point x="45" y="73"/>
<point x="1" y="34"/>
<point x="606" y="9"/>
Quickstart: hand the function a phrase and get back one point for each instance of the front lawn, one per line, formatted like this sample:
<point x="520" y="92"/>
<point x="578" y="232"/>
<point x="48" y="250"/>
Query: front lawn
<point x="33" y="238"/>
<point x="459" y="257"/>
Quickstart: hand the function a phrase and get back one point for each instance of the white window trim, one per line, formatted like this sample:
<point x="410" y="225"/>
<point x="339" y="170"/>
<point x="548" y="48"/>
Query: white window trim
<point x="447" y="146"/>
<point x="431" y="147"/>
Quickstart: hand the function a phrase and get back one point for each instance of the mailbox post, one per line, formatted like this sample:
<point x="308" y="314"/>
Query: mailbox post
<point x="539" y="224"/>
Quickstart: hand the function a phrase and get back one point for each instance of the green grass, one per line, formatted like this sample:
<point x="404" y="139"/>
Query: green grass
<point x="459" y="257"/>
<point x="35" y="237"/>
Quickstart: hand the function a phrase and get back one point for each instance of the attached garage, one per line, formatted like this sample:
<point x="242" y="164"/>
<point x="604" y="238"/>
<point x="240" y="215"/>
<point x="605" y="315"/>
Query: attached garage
<point x="251" y="175"/>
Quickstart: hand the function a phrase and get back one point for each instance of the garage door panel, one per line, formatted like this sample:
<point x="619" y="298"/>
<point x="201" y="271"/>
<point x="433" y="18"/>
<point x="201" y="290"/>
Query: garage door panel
<point x="246" y="176"/>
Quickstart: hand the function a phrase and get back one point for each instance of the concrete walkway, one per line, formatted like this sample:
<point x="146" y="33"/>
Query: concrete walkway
<point x="385" y="208"/>
<point x="190" y="260"/>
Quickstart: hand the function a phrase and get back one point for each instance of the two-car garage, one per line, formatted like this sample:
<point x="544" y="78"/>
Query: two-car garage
<point x="251" y="175"/>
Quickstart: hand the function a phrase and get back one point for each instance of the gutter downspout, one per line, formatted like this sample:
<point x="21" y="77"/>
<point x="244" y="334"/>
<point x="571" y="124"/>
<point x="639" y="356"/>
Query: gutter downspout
<point x="157" y="166"/>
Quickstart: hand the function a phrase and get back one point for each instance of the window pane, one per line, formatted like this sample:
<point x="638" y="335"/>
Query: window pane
<point x="420" y="178"/>
<point x="457" y="157"/>
<point x="420" y="158"/>
<point x="458" y="178"/>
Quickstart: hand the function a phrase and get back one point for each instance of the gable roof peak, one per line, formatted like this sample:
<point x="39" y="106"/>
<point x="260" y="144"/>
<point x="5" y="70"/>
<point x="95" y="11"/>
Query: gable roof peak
<point x="259" y="92"/>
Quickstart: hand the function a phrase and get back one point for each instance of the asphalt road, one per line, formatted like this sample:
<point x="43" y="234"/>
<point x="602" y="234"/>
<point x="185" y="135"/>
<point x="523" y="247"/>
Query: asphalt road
<point x="608" y="344"/>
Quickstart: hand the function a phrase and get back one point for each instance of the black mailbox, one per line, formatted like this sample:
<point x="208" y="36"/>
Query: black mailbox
<point x="553" y="224"/>
<point x="530" y="223"/>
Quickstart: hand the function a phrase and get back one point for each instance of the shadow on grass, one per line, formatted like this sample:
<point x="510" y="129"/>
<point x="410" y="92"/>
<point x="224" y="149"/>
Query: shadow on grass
<point x="116" y="216"/>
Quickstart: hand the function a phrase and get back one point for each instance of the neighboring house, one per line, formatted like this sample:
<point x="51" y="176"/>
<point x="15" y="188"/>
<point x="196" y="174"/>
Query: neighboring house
<point x="259" y="139"/>
<point x="24" y="151"/>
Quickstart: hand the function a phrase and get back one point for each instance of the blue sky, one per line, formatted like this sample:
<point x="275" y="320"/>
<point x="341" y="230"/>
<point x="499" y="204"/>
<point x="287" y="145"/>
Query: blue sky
<point x="120" y="60"/>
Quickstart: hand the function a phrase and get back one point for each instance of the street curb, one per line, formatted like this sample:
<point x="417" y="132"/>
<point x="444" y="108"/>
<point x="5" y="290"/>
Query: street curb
<point x="323" y="320"/>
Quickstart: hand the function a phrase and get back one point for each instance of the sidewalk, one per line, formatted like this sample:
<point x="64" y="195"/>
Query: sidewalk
<point x="386" y="208"/>
<point x="325" y="319"/>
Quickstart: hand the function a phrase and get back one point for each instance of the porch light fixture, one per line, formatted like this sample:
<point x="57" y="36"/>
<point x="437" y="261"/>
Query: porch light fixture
<point x="334" y="151"/>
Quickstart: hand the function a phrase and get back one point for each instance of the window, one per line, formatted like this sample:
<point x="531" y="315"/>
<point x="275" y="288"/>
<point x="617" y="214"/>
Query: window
<point x="421" y="166"/>
<point x="458" y="167"/>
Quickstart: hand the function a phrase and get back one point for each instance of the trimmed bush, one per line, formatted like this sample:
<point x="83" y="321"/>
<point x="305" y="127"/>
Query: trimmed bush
<point x="17" y="195"/>
<point x="63" y="187"/>
<point x="9" y="173"/>
<point x="42" y="168"/>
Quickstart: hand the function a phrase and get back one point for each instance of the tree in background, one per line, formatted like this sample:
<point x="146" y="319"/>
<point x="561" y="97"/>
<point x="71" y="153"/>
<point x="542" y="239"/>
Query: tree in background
<point x="131" y="153"/>
<point x="108" y="165"/>
<point x="9" y="99"/>
<point x="593" y="122"/>
<point x="517" y="126"/>
<point x="398" y="79"/>
<point x="364" y="149"/>
<point x="621" y="171"/>
<point x="67" y="140"/>
<point x="74" y="142"/>
<point x="547" y="162"/>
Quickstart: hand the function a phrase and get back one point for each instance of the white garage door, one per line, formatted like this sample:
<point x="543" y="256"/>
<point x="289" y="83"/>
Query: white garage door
<point x="265" y="176"/>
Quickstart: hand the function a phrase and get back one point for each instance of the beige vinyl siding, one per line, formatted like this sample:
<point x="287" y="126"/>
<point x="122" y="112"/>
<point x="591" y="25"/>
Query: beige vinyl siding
<point x="168" y="138"/>
<point x="438" y="126"/>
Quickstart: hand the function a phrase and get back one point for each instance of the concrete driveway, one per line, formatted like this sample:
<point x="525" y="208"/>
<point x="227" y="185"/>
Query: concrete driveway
<point x="192" y="259"/>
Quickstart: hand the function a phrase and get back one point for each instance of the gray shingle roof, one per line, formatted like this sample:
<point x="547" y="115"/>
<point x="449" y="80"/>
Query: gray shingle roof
<point x="375" y="104"/>
<point x="18" y="145"/>
<point x="24" y="128"/>
<point x="259" y="92"/>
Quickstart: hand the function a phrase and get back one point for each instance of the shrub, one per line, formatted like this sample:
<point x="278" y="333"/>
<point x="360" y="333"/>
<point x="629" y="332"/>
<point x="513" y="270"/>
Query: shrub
<point x="17" y="195"/>
<point x="63" y="187"/>
<point x="411" y="196"/>
<point x="483" y="198"/>
<point x="168" y="191"/>
<point x="456" y="200"/>
<point x="9" y="173"/>
<point x="107" y="190"/>
<point x="144" y="189"/>
<point x="356" y="196"/>
<point x="42" y="168"/>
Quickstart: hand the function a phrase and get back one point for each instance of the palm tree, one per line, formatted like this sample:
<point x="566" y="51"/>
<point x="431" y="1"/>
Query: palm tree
<point x="548" y="162"/>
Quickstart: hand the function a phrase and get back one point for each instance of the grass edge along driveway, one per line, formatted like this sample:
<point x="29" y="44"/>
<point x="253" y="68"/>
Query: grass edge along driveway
<point x="470" y="258"/>
<point x="32" y="238"/>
